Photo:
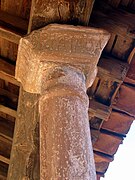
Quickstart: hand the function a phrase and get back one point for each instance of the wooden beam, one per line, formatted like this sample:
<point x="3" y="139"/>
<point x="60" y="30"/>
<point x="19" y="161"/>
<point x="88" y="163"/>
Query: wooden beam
<point x="6" y="128"/>
<point x="114" y="3"/>
<point x="104" y="156"/>
<point x="107" y="144"/>
<point x="125" y="2"/>
<point x="95" y="123"/>
<point x="69" y="12"/>
<point x="118" y="122"/>
<point x="7" y="68"/>
<point x="4" y="159"/>
<point x="8" y="111"/>
<point x="3" y="177"/>
<point x="10" y="95"/>
<point x="9" y="78"/>
<point x="17" y="8"/>
<point x="5" y="147"/>
<point x="101" y="163"/>
<point x="130" y="78"/>
<point x="112" y="68"/>
<point x="14" y="22"/>
<point x="10" y="35"/>
<point x="8" y="99"/>
<point x="94" y="135"/>
<point x="106" y="90"/>
<point x="125" y="100"/>
<point x="7" y="72"/>
<point x="99" y="110"/>
<point x="116" y="21"/>
<point x="6" y="136"/>
<point x="99" y="175"/>
<point x="3" y="170"/>
<point x="109" y="79"/>
<point x="122" y="47"/>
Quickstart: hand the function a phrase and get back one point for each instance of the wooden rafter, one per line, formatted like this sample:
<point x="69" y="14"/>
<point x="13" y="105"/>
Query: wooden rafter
<point x="114" y="21"/>
<point x="14" y="22"/>
<point x="8" y="111"/>
<point x="69" y="12"/>
<point x="7" y="72"/>
<point x="4" y="159"/>
<point x="117" y="72"/>
<point x="99" y="110"/>
<point x="9" y="35"/>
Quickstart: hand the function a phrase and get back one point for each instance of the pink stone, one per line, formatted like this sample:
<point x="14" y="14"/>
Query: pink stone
<point x="74" y="45"/>
<point x="56" y="61"/>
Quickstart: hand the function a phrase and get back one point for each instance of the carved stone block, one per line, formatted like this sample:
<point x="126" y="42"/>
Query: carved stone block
<point x="74" y="45"/>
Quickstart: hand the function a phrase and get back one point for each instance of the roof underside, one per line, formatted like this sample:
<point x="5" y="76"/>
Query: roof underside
<point x="112" y="104"/>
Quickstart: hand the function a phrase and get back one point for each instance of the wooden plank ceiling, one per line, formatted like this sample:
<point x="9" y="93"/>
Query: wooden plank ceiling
<point x="112" y="104"/>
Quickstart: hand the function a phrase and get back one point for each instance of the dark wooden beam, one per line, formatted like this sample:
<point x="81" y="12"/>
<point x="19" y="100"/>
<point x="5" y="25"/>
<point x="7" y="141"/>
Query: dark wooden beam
<point x="104" y="156"/>
<point x="10" y="35"/>
<point x="70" y="12"/>
<point x="95" y="122"/>
<point x="125" y="100"/>
<point x="113" y="69"/>
<point x="114" y="3"/>
<point x="5" y="147"/>
<point x="113" y="20"/>
<point x="4" y="159"/>
<point x="6" y="128"/>
<point x="101" y="162"/>
<point x="130" y="78"/>
<point x="8" y="111"/>
<point x="107" y="144"/>
<point x="99" y="175"/>
<point x="3" y="169"/>
<point x="94" y="135"/>
<point x="10" y="26"/>
<point x="3" y="177"/>
<point x="108" y="81"/>
<point x="15" y="22"/>
<point x="7" y="72"/>
<point x="99" y="110"/>
<point x="105" y="90"/>
<point x="118" y="122"/>
<point x="8" y="99"/>
<point x="10" y="95"/>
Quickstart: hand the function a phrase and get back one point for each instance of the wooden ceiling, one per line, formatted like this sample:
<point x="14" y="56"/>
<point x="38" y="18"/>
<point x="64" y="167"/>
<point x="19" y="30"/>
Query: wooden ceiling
<point x="112" y="104"/>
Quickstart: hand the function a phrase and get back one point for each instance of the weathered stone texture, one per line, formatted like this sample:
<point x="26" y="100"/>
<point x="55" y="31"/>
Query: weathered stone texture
<point x="65" y="145"/>
<point x="56" y="61"/>
<point x="24" y="161"/>
<point x="77" y="46"/>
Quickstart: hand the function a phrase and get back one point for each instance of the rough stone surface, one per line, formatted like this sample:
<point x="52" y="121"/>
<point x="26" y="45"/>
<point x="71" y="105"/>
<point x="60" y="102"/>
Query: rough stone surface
<point x="78" y="46"/>
<point x="44" y="12"/>
<point x="65" y="143"/>
<point x="24" y="160"/>
<point x="56" y="61"/>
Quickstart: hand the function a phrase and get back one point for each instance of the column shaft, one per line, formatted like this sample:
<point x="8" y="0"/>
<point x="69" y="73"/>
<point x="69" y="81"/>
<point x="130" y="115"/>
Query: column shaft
<point x="65" y="143"/>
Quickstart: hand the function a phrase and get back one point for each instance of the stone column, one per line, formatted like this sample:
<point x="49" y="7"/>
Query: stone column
<point x="57" y="62"/>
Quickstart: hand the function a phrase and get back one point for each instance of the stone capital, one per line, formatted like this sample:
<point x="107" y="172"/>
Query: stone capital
<point x="75" y="46"/>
